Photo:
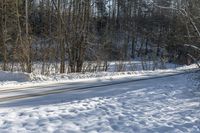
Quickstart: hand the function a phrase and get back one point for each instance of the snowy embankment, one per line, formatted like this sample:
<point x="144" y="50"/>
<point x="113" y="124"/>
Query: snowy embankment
<point x="9" y="79"/>
<point x="157" y="105"/>
<point x="14" y="76"/>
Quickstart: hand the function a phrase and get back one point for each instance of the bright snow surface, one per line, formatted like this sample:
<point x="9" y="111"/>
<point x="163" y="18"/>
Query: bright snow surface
<point x="169" y="104"/>
<point x="19" y="79"/>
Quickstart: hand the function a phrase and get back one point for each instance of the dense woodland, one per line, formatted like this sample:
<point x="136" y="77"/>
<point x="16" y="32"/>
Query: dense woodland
<point x="70" y="32"/>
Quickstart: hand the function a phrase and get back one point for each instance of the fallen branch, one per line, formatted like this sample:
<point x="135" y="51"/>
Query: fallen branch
<point x="195" y="60"/>
<point x="192" y="46"/>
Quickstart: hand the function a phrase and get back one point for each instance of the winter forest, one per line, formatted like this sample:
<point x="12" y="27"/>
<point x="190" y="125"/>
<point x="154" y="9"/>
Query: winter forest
<point x="65" y="34"/>
<point x="99" y="66"/>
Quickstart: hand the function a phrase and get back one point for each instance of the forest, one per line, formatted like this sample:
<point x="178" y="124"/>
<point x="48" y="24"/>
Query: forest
<point x="68" y="33"/>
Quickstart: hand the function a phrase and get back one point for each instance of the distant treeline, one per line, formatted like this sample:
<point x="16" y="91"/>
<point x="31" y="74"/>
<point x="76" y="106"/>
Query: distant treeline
<point x="70" y="32"/>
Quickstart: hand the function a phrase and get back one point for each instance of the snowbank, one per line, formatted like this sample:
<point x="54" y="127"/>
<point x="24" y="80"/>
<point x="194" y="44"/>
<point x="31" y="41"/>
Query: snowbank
<point x="8" y="79"/>
<point x="88" y="75"/>
<point x="14" y="76"/>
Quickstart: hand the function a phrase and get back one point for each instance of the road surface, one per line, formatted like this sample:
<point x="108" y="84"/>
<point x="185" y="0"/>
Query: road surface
<point x="9" y="95"/>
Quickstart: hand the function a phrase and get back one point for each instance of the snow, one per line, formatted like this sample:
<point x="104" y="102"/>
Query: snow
<point x="18" y="80"/>
<point x="157" y="105"/>
<point x="170" y="104"/>
<point x="14" y="76"/>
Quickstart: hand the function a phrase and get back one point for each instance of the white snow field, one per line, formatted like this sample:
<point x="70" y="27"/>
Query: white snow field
<point x="170" y="104"/>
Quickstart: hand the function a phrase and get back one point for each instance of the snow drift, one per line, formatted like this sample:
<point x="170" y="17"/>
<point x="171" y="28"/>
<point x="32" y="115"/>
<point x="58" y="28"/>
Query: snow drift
<point x="14" y="76"/>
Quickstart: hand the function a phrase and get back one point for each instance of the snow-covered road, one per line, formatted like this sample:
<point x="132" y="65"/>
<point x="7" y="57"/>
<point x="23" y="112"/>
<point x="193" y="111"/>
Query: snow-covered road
<point x="169" y="104"/>
<point x="13" y="93"/>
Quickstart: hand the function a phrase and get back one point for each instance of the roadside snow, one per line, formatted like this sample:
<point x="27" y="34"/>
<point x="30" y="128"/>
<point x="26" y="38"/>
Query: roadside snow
<point x="14" y="80"/>
<point x="159" y="105"/>
<point x="14" y="76"/>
